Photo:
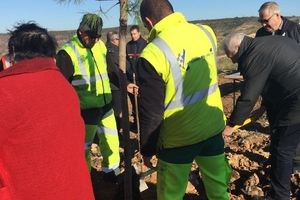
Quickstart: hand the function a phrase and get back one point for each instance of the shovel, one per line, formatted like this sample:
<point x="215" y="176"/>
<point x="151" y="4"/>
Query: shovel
<point x="138" y="167"/>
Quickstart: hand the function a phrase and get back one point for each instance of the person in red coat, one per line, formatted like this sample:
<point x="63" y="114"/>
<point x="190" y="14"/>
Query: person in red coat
<point x="41" y="130"/>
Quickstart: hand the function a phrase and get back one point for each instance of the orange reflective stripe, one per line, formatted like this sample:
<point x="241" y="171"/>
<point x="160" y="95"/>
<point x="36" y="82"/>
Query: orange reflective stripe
<point x="5" y="61"/>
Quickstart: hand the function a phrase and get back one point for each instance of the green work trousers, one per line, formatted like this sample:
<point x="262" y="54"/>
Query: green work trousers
<point x="174" y="166"/>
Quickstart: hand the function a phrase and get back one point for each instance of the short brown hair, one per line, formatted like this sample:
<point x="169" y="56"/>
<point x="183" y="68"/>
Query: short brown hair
<point x="155" y="9"/>
<point x="134" y="27"/>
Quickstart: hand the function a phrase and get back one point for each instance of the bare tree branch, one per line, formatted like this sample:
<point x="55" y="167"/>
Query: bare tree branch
<point x="104" y="12"/>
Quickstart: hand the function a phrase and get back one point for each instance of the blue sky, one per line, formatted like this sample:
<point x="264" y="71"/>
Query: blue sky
<point x="55" y="16"/>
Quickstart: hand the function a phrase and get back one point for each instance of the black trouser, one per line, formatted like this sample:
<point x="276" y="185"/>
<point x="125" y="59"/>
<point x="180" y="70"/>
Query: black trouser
<point x="296" y="160"/>
<point x="284" y="141"/>
<point x="116" y="102"/>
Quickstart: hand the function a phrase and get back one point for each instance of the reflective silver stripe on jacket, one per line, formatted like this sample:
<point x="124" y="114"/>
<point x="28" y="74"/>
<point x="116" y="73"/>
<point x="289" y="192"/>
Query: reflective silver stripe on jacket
<point x="114" y="168"/>
<point x="85" y="78"/>
<point x="174" y="67"/>
<point x="108" y="113"/>
<point x="197" y="96"/>
<point x="212" y="42"/>
<point x="106" y="130"/>
<point x="180" y="99"/>
<point x="7" y="61"/>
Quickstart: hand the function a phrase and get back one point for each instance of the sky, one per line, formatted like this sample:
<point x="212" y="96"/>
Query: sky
<point x="66" y="16"/>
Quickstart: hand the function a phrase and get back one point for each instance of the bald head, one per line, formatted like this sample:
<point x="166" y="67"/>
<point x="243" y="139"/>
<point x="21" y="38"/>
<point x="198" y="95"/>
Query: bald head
<point x="155" y="10"/>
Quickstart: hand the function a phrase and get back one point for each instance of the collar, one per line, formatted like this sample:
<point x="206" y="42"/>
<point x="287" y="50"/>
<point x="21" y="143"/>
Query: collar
<point x="281" y="24"/>
<point x="138" y="40"/>
<point x="78" y="39"/>
<point x="168" y="21"/>
<point x="30" y="66"/>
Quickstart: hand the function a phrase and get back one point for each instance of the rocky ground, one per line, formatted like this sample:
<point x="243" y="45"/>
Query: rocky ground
<point x="246" y="150"/>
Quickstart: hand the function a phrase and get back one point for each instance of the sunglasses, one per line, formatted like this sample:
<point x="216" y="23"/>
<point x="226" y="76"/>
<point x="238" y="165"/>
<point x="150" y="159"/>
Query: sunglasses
<point x="265" y="21"/>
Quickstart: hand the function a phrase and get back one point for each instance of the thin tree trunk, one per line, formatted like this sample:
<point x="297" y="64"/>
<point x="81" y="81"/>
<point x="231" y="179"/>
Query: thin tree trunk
<point x="125" y="119"/>
<point x="123" y="30"/>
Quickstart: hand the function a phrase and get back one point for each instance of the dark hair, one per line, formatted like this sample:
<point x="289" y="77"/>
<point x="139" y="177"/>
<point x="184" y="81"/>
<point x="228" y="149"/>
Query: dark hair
<point x="134" y="27"/>
<point x="28" y="40"/>
<point x="91" y="24"/>
<point x="155" y="9"/>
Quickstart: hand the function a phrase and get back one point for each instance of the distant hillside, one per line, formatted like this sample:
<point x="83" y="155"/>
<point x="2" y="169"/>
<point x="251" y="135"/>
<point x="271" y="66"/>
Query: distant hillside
<point x="221" y="27"/>
<point x="61" y="37"/>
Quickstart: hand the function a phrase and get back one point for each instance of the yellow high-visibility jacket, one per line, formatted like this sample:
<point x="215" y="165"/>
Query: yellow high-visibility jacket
<point x="90" y="78"/>
<point x="184" y="56"/>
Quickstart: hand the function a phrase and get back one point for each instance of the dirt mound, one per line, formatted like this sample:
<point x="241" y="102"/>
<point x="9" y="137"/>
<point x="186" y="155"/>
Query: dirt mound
<point x="247" y="150"/>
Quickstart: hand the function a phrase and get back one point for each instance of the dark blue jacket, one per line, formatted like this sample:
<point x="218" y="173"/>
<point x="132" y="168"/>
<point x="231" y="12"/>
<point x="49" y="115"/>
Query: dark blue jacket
<point x="289" y="28"/>
<point x="133" y="49"/>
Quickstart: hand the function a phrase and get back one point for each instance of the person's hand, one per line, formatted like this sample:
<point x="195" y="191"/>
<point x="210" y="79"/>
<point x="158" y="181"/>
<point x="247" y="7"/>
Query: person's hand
<point x="132" y="88"/>
<point x="228" y="131"/>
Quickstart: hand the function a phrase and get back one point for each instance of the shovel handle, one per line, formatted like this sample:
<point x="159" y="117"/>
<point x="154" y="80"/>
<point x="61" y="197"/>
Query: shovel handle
<point x="148" y="172"/>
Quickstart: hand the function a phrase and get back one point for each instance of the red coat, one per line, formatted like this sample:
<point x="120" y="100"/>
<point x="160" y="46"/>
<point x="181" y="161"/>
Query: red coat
<point x="41" y="135"/>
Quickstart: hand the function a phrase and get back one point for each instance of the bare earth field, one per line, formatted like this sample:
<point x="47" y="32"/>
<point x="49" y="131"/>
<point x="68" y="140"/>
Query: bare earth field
<point x="246" y="151"/>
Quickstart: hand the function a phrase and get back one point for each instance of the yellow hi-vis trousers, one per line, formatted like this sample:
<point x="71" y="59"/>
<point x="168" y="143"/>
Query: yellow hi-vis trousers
<point x="108" y="142"/>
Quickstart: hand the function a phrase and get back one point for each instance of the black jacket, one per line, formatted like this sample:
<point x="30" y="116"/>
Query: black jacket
<point x="289" y="28"/>
<point x="151" y="105"/>
<point x="113" y="70"/>
<point x="271" y="68"/>
<point x="133" y="49"/>
<point x="64" y="63"/>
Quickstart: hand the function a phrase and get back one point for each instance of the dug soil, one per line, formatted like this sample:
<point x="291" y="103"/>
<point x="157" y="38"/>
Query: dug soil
<point x="247" y="150"/>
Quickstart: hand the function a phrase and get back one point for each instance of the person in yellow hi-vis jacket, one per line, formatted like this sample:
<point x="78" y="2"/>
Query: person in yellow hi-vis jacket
<point x="82" y="60"/>
<point x="181" y="112"/>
